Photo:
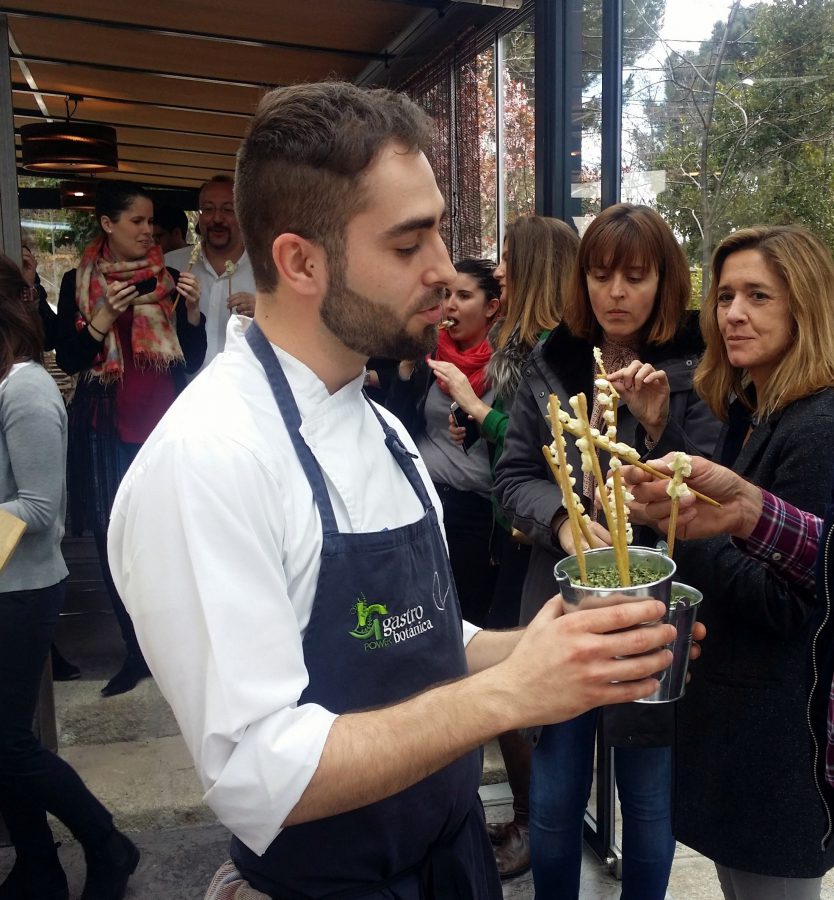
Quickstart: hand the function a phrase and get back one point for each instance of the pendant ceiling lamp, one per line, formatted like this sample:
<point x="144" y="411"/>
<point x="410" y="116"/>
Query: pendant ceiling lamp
<point x="68" y="146"/>
<point x="78" y="194"/>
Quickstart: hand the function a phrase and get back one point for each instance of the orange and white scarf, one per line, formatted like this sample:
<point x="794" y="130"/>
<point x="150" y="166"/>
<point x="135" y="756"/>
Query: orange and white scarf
<point x="154" y="342"/>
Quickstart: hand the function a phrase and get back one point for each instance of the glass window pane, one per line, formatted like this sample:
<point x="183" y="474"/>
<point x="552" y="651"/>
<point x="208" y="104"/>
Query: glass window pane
<point x="488" y="151"/>
<point x="517" y="147"/>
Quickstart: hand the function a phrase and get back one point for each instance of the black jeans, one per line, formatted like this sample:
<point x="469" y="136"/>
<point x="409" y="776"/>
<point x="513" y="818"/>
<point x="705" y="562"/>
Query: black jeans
<point x="33" y="780"/>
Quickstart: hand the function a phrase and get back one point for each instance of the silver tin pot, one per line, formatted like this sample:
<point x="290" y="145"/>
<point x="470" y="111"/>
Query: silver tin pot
<point x="682" y="614"/>
<point x="579" y="596"/>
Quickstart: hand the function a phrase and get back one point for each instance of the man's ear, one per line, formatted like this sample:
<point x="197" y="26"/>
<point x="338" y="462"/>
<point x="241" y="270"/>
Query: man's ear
<point x="300" y="264"/>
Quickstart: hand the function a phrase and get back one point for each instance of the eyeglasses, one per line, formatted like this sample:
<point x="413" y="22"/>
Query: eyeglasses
<point x="211" y="210"/>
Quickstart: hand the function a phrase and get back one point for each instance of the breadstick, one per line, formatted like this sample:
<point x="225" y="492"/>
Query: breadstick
<point x="623" y="451"/>
<point x="230" y="267"/>
<point x="571" y="502"/>
<point x="681" y="466"/>
<point x="579" y="403"/>
<point x="563" y="481"/>
<point x="195" y="255"/>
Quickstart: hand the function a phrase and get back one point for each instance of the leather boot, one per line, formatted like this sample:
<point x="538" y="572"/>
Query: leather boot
<point x="133" y="670"/>
<point x="109" y="865"/>
<point x="512" y="840"/>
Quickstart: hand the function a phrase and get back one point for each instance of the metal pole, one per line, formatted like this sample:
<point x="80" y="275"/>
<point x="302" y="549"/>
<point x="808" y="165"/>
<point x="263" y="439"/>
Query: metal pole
<point x="9" y="210"/>
<point x="612" y="101"/>
<point x="558" y="35"/>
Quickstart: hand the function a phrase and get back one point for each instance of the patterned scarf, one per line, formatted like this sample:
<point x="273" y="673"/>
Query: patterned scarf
<point x="154" y="342"/>
<point x="472" y="362"/>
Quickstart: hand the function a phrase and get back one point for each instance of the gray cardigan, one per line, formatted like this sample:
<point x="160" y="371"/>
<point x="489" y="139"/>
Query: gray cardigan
<point x="33" y="451"/>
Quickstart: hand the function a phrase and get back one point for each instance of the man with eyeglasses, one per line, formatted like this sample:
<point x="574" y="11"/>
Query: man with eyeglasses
<point x="222" y="267"/>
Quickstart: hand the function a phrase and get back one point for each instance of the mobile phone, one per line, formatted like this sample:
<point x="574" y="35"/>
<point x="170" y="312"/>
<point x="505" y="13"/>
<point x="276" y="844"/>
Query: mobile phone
<point x="462" y="419"/>
<point x="146" y="286"/>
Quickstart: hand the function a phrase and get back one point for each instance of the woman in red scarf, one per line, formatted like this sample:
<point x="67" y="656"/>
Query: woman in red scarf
<point x="462" y="477"/>
<point x="132" y="329"/>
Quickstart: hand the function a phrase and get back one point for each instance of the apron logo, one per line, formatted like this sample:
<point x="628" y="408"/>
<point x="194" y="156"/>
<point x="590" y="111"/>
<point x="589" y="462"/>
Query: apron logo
<point x="364" y="611"/>
<point x="377" y="629"/>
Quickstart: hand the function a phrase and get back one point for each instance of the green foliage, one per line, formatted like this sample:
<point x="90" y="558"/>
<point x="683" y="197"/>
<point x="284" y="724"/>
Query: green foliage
<point x="743" y="125"/>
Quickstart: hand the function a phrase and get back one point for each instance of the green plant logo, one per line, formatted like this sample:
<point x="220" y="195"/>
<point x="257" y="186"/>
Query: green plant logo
<point x="367" y="619"/>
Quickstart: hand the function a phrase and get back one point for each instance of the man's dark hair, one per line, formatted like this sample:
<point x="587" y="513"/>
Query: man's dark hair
<point x="170" y="218"/>
<point x="300" y="166"/>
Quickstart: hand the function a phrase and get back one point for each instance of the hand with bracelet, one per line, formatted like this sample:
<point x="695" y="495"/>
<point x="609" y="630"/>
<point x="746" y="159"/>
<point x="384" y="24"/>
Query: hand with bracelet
<point x="120" y="294"/>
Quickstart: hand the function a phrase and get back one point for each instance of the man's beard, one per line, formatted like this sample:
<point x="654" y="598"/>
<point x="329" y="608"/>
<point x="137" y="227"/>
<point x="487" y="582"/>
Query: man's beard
<point x="373" y="330"/>
<point x="219" y="239"/>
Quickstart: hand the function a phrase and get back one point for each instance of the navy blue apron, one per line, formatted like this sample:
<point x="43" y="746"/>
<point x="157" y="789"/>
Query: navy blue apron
<point x="385" y="625"/>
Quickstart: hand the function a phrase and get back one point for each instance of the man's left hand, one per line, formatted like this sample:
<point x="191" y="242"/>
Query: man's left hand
<point x="242" y="303"/>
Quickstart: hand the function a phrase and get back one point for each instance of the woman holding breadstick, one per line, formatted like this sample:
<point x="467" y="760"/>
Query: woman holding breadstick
<point x="131" y="329"/>
<point x="423" y="402"/>
<point x="536" y="261"/>
<point x="745" y="788"/>
<point x="628" y="296"/>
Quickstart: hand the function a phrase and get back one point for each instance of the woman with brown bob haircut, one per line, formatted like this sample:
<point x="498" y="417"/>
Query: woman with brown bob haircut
<point x="746" y="794"/>
<point x="629" y="293"/>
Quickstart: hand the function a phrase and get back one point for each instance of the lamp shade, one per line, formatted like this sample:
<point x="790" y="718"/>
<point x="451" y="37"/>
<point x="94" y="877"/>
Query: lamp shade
<point x="68" y="147"/>
<point x="78" y="194"/>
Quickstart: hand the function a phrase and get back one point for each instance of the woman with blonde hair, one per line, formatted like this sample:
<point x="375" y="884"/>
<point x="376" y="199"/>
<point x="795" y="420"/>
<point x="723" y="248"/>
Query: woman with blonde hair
<point x="745" y="789"/>
<point x="628" y="296"/>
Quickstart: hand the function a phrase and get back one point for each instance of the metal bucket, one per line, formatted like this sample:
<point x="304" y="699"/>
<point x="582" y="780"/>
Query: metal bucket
<point x="579" y="596"/>
<point x="682" y="613"/>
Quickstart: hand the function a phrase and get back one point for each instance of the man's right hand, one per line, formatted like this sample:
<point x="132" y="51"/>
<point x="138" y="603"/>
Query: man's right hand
<point x="566" y="664"/>
<point x="741" y="501"/>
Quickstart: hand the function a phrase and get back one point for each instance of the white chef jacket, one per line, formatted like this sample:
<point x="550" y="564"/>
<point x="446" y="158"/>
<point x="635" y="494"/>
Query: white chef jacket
<point x="214" y="293"/>
<point x="215" y="544"/>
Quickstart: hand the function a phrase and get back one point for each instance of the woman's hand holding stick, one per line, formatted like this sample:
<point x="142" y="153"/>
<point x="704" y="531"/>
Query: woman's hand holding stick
<point x="195" y="255"/>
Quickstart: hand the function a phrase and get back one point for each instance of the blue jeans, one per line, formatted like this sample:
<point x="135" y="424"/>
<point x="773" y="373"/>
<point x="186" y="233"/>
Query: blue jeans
<point x="33" y="780"/>
<point x="559" y="789"/>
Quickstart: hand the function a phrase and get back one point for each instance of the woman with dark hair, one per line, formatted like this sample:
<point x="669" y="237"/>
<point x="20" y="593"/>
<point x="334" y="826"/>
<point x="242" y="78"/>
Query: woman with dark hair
<point x="422" y="402"/>
<point x="132" y="329"/>
<point x="536" y="262"/>
<point x="629" y="293"/>
<point x="34" y="781"/>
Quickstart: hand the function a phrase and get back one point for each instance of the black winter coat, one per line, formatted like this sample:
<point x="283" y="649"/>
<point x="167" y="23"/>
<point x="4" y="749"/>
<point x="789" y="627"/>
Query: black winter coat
<point x="746" y="794"/>
<point x="564" y="365"/>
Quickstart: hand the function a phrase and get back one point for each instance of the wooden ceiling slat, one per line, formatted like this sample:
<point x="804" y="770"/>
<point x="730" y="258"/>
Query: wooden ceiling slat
<point x="126" y="114"/>
<point x="176" y="55"/>
<point x="86" y="82"/>
<point x="351" y="24"/>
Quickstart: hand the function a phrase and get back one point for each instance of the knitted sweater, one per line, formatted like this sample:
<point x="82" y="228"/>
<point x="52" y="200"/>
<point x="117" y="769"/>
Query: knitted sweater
<point x="33" y="450"/>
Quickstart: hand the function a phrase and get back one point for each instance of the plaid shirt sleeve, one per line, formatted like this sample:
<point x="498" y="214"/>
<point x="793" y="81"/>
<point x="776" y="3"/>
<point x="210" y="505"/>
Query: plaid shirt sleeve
<point x="786" y="539"/>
